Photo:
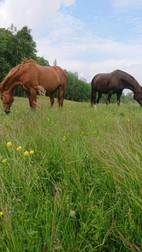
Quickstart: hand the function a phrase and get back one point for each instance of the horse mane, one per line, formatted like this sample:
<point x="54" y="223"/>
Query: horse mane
<point x="14" y="71"/>
<point x="25" y="61"/>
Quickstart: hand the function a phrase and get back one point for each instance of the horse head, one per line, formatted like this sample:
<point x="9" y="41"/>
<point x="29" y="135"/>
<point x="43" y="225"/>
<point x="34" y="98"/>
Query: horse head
<point x="138" y="97"/>
<point x="7" y="99"/>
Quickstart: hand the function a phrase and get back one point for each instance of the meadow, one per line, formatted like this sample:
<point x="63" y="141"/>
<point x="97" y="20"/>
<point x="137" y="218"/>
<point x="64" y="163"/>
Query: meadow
<point x="71" y="178"/>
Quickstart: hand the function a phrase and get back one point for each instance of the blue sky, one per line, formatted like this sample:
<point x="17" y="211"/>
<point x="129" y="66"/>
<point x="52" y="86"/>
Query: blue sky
<point x="84" y="36"/>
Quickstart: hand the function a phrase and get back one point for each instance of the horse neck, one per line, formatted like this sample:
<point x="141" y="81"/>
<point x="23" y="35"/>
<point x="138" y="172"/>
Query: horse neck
<point x="135" y="87"/>
<point x="12" y="78"/>
<point x="11" y="86"/>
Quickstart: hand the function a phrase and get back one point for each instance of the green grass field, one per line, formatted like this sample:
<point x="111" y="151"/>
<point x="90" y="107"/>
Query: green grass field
<point x="81" y="189"/>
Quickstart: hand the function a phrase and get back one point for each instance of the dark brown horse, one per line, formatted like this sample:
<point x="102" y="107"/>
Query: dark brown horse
<point x="114" y="82"/>
<point x="33" y="78"/>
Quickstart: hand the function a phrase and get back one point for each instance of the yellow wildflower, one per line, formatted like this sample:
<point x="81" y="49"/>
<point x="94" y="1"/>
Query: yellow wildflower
<point x="4" y="160"/>
<point x="64" y="138"/>
<point x="31" y="152"/>
<point x="9" y="144"/>
<point x="1" y="213"/>
<point x="19" y="148"/>
<point x="26" y="153"/>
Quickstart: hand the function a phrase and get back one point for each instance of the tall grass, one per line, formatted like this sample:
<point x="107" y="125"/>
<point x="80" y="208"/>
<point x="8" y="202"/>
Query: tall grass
<point x="81" y="189"/>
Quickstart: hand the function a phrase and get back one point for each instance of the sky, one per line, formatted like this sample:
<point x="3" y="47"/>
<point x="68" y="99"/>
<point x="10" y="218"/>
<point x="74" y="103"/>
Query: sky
<point x="84" y="36"/>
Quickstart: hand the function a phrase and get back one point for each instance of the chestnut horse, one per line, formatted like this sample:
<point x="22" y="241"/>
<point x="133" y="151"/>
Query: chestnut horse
<point x="33" y="78"/>
<point x="114" y="82"/>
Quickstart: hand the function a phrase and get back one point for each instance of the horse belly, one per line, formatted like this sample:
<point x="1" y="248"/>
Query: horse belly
<point x="101" y="88"/>
<point x="49" y="84"/>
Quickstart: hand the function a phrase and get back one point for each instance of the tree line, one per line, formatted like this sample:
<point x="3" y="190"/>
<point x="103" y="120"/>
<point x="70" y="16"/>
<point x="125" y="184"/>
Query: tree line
<point x="15" y="45"/>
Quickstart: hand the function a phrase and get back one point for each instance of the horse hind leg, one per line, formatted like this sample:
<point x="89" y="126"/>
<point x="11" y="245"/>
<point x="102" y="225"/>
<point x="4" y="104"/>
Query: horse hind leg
<point x="51" y="95"/>
<point x="108" y="99"/>
<point x="93" y="97"/>
<point x="61" y="93"/>
<point x="118" y="97"/>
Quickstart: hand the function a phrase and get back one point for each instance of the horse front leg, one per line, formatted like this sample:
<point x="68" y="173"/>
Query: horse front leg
<point x="108" y="98"/>
<point x="32" y="96"/>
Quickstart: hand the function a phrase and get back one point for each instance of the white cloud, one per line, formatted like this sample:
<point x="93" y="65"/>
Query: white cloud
<point x="127" y="3"/>
<point x="68" y="2"/>
<point x="90" y="55"/>
<point x="36" y="14"/>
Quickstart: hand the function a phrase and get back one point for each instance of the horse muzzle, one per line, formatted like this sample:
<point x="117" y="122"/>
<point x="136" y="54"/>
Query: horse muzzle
<point x="6" y="110"/>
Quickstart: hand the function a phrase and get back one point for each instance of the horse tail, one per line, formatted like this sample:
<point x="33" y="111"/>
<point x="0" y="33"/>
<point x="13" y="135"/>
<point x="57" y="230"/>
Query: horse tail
<point x="93" y="92"/>
<point x="62" y="78"/>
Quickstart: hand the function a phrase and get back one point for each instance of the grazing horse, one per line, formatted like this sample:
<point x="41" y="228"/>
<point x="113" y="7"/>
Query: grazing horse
<point x="33" y="78"/>
<point x="114" y="82"/>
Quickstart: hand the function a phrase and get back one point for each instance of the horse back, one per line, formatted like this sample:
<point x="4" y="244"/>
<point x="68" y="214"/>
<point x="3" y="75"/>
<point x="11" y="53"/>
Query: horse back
<point x="51" y="77"/>
<point x="106" y="82"/>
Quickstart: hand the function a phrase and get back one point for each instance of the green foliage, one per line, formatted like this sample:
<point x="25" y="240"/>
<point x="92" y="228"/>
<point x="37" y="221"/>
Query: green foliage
<point x="6" y="37"/>
<point x="77" y="90"/>
<point x="16" y="45"/>
<point x="25" y="46"/>
<point x="41" y="61"/>
<point x="128" y="98"/>
<point x="86" y="163"/>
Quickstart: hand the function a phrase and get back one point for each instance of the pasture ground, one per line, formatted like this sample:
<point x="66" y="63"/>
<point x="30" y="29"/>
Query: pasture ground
<point x="81" y="189"/>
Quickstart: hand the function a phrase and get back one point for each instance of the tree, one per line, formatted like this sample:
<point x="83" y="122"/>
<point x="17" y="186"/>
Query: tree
<point x="41" y="61"/>
<point x="5" y="52"/>
<point x="14" y="46"/>
<point x="55" y="63"/>
<point x="128" y="98"/>
<point x="25" y="46"/>
<point x="76" y="89"/>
